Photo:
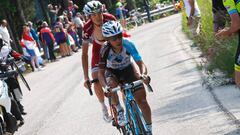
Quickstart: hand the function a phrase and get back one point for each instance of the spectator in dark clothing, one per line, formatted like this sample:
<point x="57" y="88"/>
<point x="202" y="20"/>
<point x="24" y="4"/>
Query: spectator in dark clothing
<point x="219" y="15"/>
<point x="48" y="39"/>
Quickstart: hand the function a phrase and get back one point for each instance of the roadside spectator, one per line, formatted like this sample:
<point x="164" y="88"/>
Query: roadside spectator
<point x="49" y="40"/>
<point x="233" y="10"/>
<point x="44" y="46"/>
<point x="34" y="35"/>
<point x="53" y="13"/>
<point x="219" y="15"/>
<point x="30" y="45"/>
<point x="193" y="16"/>
<point x="27" y="57"/>
<point x="73" y="34"/>
<point x="61" y="39"/>
<point x="72" y="8"/>
<point x="4" y="32"/>
<point x="121" y="13"/>
<point x="79" y="26"/>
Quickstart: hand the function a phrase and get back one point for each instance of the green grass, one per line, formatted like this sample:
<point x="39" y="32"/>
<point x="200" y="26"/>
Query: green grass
<point x="223" y="58"/>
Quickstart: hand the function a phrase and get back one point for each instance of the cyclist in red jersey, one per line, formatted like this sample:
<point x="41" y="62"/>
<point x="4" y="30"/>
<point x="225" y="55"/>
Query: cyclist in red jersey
<point x="93" y="32"/>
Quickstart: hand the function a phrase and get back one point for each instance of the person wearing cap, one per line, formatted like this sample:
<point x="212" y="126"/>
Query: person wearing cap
<point x="48" y="38"/>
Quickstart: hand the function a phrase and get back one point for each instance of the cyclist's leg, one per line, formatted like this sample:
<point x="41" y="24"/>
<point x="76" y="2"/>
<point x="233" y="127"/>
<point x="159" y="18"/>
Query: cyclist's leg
<point x="98" y="88"/>
<point x="130" y="75"/>
<point x="100" y="95"/>
<point x="112" y="81"/>
<point x="140" y="97"/>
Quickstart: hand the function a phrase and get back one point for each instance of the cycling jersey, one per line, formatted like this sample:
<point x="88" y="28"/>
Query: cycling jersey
<point x="112" y="60"/>
<point x="233" y="6"/>
<point x="88" y="30"/>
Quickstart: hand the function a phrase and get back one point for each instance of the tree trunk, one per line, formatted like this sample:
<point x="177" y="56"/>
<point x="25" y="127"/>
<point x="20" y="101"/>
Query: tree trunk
<point x="44" y="10"/>
<point x="20" y="10"/>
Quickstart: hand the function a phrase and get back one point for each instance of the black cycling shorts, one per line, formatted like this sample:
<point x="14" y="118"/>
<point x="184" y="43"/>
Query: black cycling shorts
<point x="126" y="75"/>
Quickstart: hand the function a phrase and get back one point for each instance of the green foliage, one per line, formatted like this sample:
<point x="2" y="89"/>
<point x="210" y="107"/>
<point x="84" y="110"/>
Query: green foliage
<point x="7" y="5"/>
<point x="224" y="50"/>
<point x="28" y="9"/>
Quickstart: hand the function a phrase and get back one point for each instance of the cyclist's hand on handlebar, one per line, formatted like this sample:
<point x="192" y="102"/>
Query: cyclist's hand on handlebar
<point x="87" y="84"/>
<point x="146" y="79"/>
<point x="107" y="91"/>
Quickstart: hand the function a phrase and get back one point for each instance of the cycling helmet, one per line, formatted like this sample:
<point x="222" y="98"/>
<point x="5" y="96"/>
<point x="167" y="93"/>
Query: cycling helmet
<point x="111" y="28"/>
<point x="92" y="7"/>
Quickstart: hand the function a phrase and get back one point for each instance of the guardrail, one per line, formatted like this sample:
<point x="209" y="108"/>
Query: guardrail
<point x="154" y="13"/>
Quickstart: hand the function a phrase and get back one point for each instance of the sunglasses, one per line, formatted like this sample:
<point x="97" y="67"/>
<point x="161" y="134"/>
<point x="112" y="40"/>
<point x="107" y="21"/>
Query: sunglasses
<point x="115" y="38"/>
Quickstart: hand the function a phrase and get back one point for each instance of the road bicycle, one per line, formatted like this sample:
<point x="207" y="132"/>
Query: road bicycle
<point x="136" y="123"/>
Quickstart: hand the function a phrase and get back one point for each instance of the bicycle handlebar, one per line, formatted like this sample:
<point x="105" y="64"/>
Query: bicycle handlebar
<point x="132" y="85"/>
<point x="89" y="86"/>
<point x="128" y="86"/>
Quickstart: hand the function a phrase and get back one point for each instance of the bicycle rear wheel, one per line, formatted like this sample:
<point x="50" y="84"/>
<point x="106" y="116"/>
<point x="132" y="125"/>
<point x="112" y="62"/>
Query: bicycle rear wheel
<point x="139" y="120"/>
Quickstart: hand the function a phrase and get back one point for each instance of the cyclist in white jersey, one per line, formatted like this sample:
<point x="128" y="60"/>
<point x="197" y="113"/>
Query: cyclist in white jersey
<point x="117" y="68"/>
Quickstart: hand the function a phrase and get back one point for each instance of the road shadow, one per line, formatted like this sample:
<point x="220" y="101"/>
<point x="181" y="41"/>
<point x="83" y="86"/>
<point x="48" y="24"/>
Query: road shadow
<point x="234" y="132"/>
<point x="176" y="63"/>
<point x="189" y="102"/>
<point x="170" y="53"/>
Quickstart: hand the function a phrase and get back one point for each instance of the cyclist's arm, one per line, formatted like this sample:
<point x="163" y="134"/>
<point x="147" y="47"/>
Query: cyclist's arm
<point x="235" y="19"/>
<point x="130" y="46"/>
<point x="102" y="66"/>
<point x="101" y="77"/>
<point x="142" y="67"/>
<point x="85" y="60"/>
<point x="235" y="23"/>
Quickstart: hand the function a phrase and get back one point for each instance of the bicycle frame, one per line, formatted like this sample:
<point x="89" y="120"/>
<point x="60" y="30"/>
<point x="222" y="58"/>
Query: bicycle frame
<point x="128" y="99"/>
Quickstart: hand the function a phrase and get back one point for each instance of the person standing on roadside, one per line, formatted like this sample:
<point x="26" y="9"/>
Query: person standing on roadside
<point x="79" y="26"/>
<point x="30" y="44"/>
<point x="53" y="13"/>
<point x="233" y="8"/>
<point x="4" y="32"/>
<point x="193" y="16"/>
<point x="48" y="38"/>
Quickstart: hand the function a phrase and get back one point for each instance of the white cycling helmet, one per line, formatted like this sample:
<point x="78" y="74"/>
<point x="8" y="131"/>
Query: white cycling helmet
<point x="92" y="7"/>
<point x="111" y="28"/>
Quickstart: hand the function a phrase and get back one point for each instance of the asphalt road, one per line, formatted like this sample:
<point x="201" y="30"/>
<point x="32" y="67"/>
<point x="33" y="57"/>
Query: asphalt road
<point x="59" y="105"/>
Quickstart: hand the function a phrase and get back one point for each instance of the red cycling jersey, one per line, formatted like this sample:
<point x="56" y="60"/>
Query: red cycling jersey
<point x="88" y="30"/>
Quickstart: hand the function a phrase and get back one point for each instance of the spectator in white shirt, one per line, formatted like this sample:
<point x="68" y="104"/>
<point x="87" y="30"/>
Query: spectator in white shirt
<point x="4" y="32"/>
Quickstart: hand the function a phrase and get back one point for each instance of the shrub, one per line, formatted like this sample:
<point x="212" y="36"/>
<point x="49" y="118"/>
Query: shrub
<point x="224" y="50"/>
